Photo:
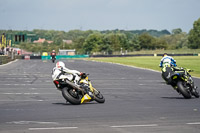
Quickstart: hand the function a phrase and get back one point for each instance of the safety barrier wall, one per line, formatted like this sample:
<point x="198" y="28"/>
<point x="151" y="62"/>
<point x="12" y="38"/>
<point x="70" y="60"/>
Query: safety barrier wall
<point x="5" y="59"/>
<point x="121" y="55"/>
<point x="64" y="57"/>
<point x="179" y="54"/>
<point x="32" y="57"/>
<point x="131" y="55"/>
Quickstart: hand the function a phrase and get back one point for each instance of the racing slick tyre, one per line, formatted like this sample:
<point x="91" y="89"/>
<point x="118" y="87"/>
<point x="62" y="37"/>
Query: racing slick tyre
<point x="99" y="98"/>
<point x="72" y="96"/>
<point x="183" y="90"/>
<point x="195" y="92"/>
<point x="53" y="60"/>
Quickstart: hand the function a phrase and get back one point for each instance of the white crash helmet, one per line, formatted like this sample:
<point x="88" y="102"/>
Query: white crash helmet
<point x="60" y="64"/>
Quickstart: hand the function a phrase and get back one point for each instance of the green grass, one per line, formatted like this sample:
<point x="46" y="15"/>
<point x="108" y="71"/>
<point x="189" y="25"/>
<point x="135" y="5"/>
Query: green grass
<point x="161" y="51"/>
<point x="191" y="62"/>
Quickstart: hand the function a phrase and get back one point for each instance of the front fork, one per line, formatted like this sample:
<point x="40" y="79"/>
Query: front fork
<point x="189" y="81"/>
<point x="92" y="89"/>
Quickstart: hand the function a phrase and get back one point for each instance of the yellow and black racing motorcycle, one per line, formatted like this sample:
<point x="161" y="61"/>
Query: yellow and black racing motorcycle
<point x="81" y="93"/>
<point x="181" y="80"/>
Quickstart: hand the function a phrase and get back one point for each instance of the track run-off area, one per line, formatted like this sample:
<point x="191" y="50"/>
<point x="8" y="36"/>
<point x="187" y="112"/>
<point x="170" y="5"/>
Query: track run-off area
<point x="137" y="101"/>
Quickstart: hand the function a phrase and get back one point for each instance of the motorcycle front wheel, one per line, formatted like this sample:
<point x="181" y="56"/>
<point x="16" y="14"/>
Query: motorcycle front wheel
<point x="99" y="98"/>
<point x="72" y="96"/>
<point x="183" y="90"/>
<point x="195" y="93"/>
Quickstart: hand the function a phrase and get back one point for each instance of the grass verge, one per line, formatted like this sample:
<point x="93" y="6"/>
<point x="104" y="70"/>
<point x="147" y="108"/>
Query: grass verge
<point x="191" y="62"/>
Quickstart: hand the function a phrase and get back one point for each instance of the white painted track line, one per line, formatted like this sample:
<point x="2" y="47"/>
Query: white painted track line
<point x="194" y="123"/>
<point x="53" y="128"/>
<point x="148" y="125"/>
<point x="31" y="122"/>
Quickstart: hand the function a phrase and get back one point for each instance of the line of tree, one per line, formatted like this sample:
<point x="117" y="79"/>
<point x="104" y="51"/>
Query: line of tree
<point x="111" y="41"/>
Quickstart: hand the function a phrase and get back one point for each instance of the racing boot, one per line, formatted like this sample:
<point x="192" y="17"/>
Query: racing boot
<point x="176" y="88"/>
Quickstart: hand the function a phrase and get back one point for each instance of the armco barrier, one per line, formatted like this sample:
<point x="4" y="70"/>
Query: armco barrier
<point x="122" y="55"/>
<point x="31" y="57"/>
<point x="86" y="56"/>
<point x="64" y="57"/>
<point x="131" y="55"/>
<point x="179" y="54"/>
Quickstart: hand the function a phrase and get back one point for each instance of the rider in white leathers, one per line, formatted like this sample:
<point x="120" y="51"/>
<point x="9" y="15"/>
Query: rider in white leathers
<point x="61" y="72"/>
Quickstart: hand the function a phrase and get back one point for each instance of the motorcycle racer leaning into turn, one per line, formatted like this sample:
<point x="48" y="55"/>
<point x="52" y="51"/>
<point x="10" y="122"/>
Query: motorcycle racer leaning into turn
<point x="75" y="86"/>
<point x="168" y="65"/>
<point x="63" y="73"/>
<point x="60" y="72"/>
<point x="178" y="77"/>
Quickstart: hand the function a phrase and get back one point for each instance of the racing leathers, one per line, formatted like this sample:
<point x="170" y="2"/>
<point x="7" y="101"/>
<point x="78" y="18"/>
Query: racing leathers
<point x="64" y="73"/>
<point x="169" y="67"/>
<point x="53" y="54"/>
<point x="166" y="60"/>
<point x="167" y="63"/>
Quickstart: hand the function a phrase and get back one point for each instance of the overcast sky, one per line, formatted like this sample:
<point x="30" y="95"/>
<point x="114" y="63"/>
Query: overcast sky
<point x="98" y="14"/>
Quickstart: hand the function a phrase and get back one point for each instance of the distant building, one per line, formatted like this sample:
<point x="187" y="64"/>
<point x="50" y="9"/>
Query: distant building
<point x="67" y="51"/>
<point x="42" y="40"/>
<point x="21" y="37"/>
<point x="49" y="42"/>
<point x="67" y="41"/>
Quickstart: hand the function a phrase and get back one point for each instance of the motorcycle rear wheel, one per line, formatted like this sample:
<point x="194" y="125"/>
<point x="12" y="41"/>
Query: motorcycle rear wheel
<point x="183" y="90"/>
<point x="71" y="96"/>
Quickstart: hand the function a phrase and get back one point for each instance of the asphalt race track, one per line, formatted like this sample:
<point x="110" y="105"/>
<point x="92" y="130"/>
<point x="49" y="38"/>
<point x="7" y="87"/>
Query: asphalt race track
<point x="137" y="101"/>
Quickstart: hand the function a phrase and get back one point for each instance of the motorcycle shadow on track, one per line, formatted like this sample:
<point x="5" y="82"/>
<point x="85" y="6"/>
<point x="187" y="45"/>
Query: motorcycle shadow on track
<point x="69" y="104"/>
<point x="174" y="98"/>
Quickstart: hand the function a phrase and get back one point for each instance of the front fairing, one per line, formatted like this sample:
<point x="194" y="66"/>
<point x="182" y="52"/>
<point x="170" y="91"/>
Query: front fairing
<point x="85" y="82"/>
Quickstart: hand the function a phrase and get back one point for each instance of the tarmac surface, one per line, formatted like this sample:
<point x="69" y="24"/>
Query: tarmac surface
<point x="137" y="101"/>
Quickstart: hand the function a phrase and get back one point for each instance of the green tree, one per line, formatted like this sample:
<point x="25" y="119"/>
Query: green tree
<point x="106" y="47"/>
<point x="74" y="34"/>
<point x="147" y="41"/>
<point x="134" y="43"/>
<point x="93" y="42"/>
<point x="116" y="41"/>
<point x="78" y="44"/>
<point x="194" y="35"/>
<point x="123" y="41"/>
<point x="160" y="44"/>
<point x="177" y="31"/>
<point x="58" y="40"/>
<point x="176" y="41"/>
